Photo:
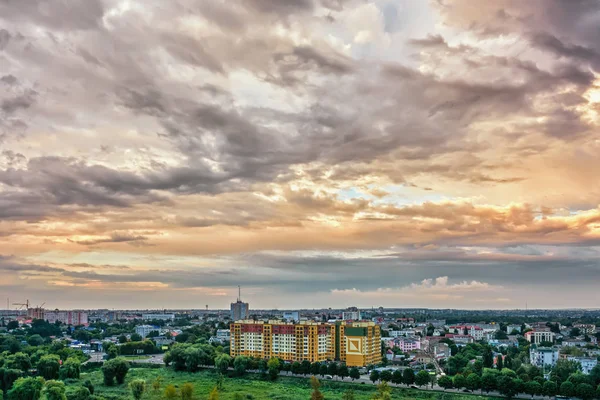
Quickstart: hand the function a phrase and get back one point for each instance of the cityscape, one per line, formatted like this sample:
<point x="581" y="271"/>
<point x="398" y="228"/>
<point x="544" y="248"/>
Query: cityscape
<point x="299" y="199"/>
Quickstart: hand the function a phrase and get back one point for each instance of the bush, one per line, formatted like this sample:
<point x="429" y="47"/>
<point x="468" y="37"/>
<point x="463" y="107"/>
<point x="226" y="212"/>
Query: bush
<point x="116" y="368"/>
<point x="79" y="393"/>
<point x="170" y="392"/>
<point x="187" y="391"/>
<point x="55" y="390"/>
<point x="70" y="369"/>
<point x="26" y="389"/>
<point x="138" y="387"/>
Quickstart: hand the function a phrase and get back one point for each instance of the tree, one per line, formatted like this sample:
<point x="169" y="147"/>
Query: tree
<point x="170" y="392"/>
<point x="109" y="372"/>
<point x="507" y="386"/>
<point x="550" y="388"/>
<point x="354" y="373"/>
<point x="71" y="369"/>
<point x="48" y="366"/>
<point x="156" y="383"/>
<point x="316" y="393"/>
<point x="12" y="325"/>
<point x="473" y="382"/>
<point x="122" y="339"/>
<point x="121" y="369"/>
<point x="26" y="389"/>
<point x="222" y="363"/>
<point x="422" y="378"/>
<point x="55" y="390"/>
<point x="274" y="367"/>
<point x="563" y="369"/>
<point x="296" y="368"/>
<point x="9" y="376"/>
<point x="374" y="376"/>
<point x="445" y="382"/>
<point x="187" y="391"/>
<point x="585" y="391"/>
<point x="348" y="395"/>
<point x="18" y="361"/>
<point x="488" y="358"/>
<point x="35" y="340"/>
<point x="323" y="370"/>
<point x="488" y="381"/>
<point x="136" y="337"/>
<point x="305" y="367"/>
<point x="89" y="386"/>
<point x="240" y="364"/>
<point x="80" y="393"/>
<point x="397" y="377"/>
<point x="408" y="376"/>
<point x="343" y="371"/>
<point x="315" y="368"/>
<point x="567" y="389"/>
<point x="386" y="375"/>
<point x="459" y="381"/>
<point x="332" y="369"/>
<point x="508" y="362"/>
<point x="214" y="394"/>
<point x="499" y="363"/>
<point x="533" y="388"/>
<point x="137" y="387"/>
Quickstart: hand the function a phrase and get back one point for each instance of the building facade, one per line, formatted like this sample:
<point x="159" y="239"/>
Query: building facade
<point x="543" y="357"/>
<point x="66" y="317"/>
<point x="474" y="331"/>
<point x="291" y="316"/>
<point x="162" y="317"/>
<point x="240" y="311"/>
<point x="587" y="363"/>
<point x="144" y="330"/>
<point x="537" y="337"/>
<point x="351" y="314"/>
<point x="355" y="343"/>
<point x="406" y="344"/>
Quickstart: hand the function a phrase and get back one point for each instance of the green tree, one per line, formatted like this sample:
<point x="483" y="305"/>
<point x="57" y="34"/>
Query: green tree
<point x="332" y="369"/>
<point x="170" y="392"/>
<point x="187" y="391"/>
<point x="80" y="393"/>
<point x="315" y="368"/>
<point x="26" y="389"/>
<point x="408" y="376"/>
<point x="374" y="376"/>
<point x="343" y="371"/>
<point x="18" y="361"/>
<point x="305" y="367"/>
<point x="323" y="369"/>
<point x="354" y="373"/>
<point x="567" y="389"/>
<point x="488" y="381"/>
<point x="499" y="363"/>
<point x="12" y="325"/>
<point x="121" y="369"/>
<point x="316" y="393"/>
<point x="48" y="366"/>
<point x="274" y="367"/>
<point x="8" y="377"/>
<point x="422" y="378"/>
<point x="240" y="364"/>
<point x="222" y="363"/>
<point x="71" y="369"/>
<point x="507" y="386"/>
<point x="137" y="387"/>
<point x="550" y="388"/>
<point x="473" y="382"/>
<point x="445" y="382"/>
<point x="157" y="383"/>
<point x="488" y="358"/>
<point x="296" y="368"/>
<point x="122" y="339"/>
<point x="88" y="384"/>
<point x="585" y="391"/>
<point x="55" y="390"/>
<point x="533" y="388"/>
<point x="397" y="377"/>
<point x="136" y="337"/>
<point x="35" y="340"/>
<point x="459" y="381"/>
<point x="563" y="369"/>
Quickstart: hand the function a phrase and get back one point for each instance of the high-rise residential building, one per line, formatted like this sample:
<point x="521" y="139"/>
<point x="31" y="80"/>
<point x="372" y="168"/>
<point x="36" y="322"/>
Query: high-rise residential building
<point x="543" y="357"/>
<point x="35" y="313"/>
<point x="355" y="343"/>
<point x="66" y="317"/>
<point x="239" y="309"/>
<point x="351" y="314"/>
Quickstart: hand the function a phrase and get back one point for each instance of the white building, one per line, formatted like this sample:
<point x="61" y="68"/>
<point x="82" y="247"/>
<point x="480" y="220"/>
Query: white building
<point x="144" y="330"/>
<point x="224" y="335"/>
<point x="404" y="332"/>
<point x="587" y="363"/>
<point x="162" y="317"/>
<point x="291" y="316"/>
<point x="543" y="356"/>
<point x="537" y="337"/>
<point x="511" y="328"/>
<point x="351" y="314"/>
<point x="586" y="329"/>
<point x="472" y="330"/>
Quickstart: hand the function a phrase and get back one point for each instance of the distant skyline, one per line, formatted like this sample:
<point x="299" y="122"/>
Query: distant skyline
<point x="319" y="153"/>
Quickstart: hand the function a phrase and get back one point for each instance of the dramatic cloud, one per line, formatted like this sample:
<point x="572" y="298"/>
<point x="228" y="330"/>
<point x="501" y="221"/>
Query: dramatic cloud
<point x="341" y="150"/>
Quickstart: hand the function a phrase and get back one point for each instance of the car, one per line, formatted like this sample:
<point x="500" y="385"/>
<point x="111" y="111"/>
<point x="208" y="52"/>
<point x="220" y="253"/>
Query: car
<point x="328" y="377"/>
<point x="413" y="387"/>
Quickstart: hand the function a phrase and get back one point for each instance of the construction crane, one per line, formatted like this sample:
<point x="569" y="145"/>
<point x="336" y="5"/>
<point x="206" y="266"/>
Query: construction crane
<point x="22" y="304"/>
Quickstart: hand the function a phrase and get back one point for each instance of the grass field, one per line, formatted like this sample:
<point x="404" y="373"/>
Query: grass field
<point x="251" y="387"/>
<point x="141" y="357"/>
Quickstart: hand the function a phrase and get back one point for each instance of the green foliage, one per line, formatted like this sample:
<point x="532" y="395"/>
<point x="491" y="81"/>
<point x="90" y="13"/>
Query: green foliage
<point x="374" y="376"/>
<point x="240" y="364"/>
<point x="138" y="347"/>
<point x="459" y="381"/>
<point x="156" y="384"/>
<point x="567" y="389"/>
<point x="316" y="393"/>
<point x="422" y="378"/>
<point x="408" y="376"/>
<point x="343" y="371"/>
<point x="222" y="362"/>
<point x="533" y="388"/>
<point x="35" y="340"/>
<point x="348" y="395"/>
<point x="137" y="387"/>
<point x="79" y="393"/>
<point x="585" y="391"/>
<point x="170" y="392"/>
<point x="89" y="386"/>
<point x="19" y="361"/>
<point x="8" y="377"/>
<point x="550" y="388"/>
<point x="354" y="373"/>
<point x="386" y="375"/>
<point x="55" y="390"/>
<point x="187" y="391"/>
<point x="116" y="368"/>
<point x="26" y="389"/>
<point x="48" y="366"/>
<point x="563" y="369"/>
<point x="445" y="382"/>
<point x="136" y="337"/>
<point x="384" y="392"/>
<point x="473" y="382"/>
<point x="70" y="369"/>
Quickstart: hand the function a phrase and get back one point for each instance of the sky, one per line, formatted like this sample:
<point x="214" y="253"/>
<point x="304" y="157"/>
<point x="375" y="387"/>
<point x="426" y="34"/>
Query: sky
<point x="319" y="153"/>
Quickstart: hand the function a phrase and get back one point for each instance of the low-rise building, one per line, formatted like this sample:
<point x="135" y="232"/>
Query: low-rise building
<point x="291" y="316"/>
<point x="543" y="357"/>
<point x="587" y="363"/>
<point x="161" y="317"/>
<point x="351" y="314"/>
<point x="460" y="339"/>
<point x="144" y="330"/>
<point x="512" y="328"/>
<point x="406" y="344"/>
<point x="472" y="330"/>
<point x="537" y="337"/>
<point x="586" y="329"/>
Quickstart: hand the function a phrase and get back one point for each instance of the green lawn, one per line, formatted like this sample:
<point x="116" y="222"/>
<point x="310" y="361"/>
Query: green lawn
<point x="251" y="387"/>
<point x="141" y="357"/>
